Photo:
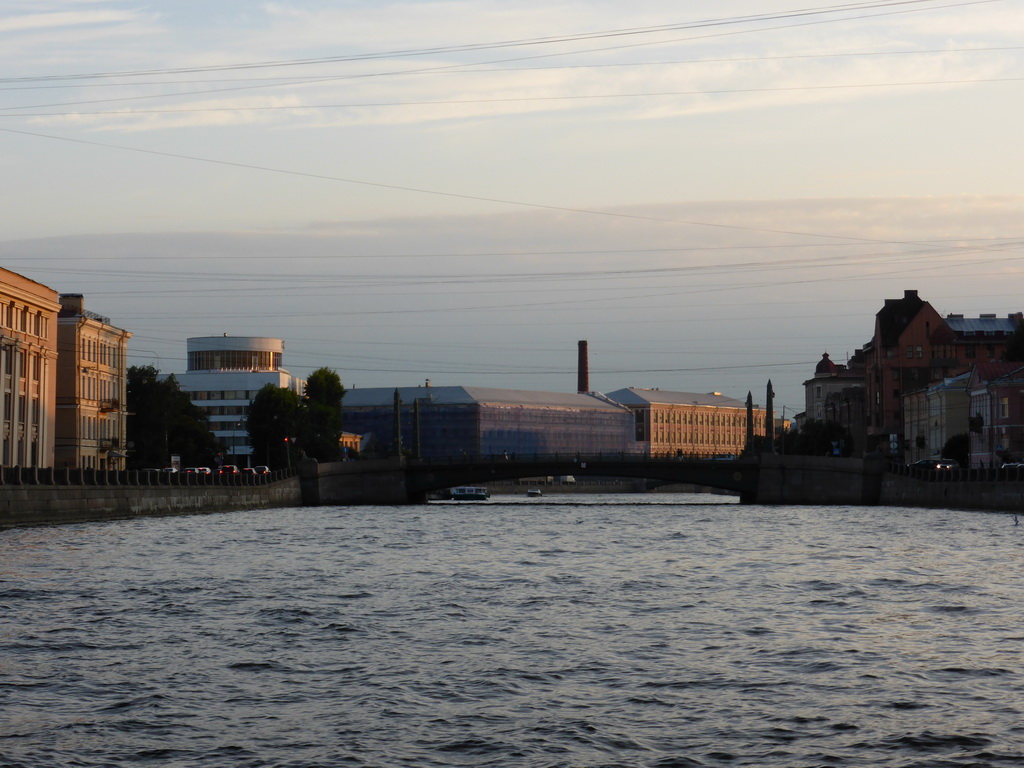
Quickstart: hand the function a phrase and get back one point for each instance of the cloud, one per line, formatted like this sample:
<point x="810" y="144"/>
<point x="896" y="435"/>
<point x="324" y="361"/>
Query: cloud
<point x="62" y="20"/>
<point x="714" y="295"/>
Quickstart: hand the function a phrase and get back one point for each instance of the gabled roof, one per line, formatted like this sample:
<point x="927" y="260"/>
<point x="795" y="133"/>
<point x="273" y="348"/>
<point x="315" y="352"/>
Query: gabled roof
<point x="986" y="373"/>
<point x="894" y="317"/>
<point x="634" y="396"/>
<point x="457" y="395"/>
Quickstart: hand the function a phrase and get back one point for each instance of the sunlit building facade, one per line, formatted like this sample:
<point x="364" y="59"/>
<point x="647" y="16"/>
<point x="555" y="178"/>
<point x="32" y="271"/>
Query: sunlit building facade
<point x="686" y="423"/>
<point x="91" y="385"/>
<point x="28" y="362"/>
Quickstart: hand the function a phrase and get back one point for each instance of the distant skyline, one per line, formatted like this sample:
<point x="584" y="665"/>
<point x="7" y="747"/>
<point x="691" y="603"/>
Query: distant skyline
<point x="712" y="195"/>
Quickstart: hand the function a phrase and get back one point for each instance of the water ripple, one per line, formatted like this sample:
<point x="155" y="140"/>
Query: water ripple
<point x="647" y="632"/>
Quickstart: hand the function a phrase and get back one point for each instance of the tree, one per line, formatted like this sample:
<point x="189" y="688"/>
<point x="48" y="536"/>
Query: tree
<point x="1015" y="346"/>
<point x="321" y="415"/>
<point x="163" y="421"/>
<point x="273" y="423"/>
<point x="958" y="447"/>
<point x="819" y="438"/>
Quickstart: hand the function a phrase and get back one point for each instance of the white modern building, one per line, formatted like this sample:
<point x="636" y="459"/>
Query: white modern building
<point x="224" y="374"/>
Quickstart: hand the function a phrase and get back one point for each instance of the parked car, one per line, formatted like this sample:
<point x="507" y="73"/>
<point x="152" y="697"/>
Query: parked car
<point x="1012" y="465"/>
<point x="261" y="470"/>
<point x="228" y="469"/>
<point x="199" y="471"/>
<point x="170" y="470"/>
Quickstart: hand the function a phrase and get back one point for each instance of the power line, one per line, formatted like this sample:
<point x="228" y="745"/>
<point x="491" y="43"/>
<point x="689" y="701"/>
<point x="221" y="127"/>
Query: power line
<point x="634" y="31"/>
<point x="453" y="195"/>
<point x="512" y="99"/>
<point x="483" y="69"/>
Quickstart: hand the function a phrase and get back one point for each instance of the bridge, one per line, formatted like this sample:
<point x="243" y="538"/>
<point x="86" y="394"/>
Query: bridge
<point x="762" y="479"/>
<point x="427" y="475"/>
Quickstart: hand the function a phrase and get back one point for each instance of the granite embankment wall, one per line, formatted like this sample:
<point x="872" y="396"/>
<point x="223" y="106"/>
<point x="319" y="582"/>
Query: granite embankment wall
<point x="45" y="498"/>
<point x="992" y="490"/>
<point x="872" y="481"/>
<point x="818" y="480"/>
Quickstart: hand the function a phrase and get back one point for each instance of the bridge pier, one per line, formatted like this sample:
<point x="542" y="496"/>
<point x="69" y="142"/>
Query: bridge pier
<point x="764" y="479"/>
<point x="819" y="480"/>
<point x="376" y="481"/>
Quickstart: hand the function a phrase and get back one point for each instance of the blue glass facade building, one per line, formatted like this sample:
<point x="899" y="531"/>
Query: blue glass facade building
<point x="480" y="421"/>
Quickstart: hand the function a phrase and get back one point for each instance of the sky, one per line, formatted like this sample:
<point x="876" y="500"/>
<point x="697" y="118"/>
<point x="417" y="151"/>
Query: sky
<point x="712" y="194"/>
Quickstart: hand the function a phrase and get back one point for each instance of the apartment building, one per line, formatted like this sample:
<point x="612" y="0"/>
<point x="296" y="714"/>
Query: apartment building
<point x="996" y="413"/>
<point x="913" y="346"/>
<point x="92" y="360"/>
<point x="28" y="361"/>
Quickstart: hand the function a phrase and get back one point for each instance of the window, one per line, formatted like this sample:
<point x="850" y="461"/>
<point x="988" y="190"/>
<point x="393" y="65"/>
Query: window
<point x="910" y="351"/>
<point x="920" y="352"/>
<point x="1004" y="407"/>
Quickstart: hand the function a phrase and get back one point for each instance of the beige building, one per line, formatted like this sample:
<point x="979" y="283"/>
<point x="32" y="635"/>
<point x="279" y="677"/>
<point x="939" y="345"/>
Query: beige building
<point x="28" y="360"/>
<point x="931" y="416"/>
<point x="673" y="423"/>
<point x="92" y="380"/>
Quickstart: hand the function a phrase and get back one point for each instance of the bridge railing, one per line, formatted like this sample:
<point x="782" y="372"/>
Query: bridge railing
<point x="49" y="476"/>
<point x="960" y="475"/>
<point x="562" y="457"/>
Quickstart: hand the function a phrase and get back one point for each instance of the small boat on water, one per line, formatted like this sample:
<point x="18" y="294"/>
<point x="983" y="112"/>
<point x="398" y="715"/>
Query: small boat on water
<point x="470" y="493"/>
<point x="534" y="492"/>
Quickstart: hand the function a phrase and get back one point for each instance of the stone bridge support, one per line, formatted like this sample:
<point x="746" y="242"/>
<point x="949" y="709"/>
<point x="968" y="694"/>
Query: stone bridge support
<point x="819" y="480"/>
<point x="375" y="481"/>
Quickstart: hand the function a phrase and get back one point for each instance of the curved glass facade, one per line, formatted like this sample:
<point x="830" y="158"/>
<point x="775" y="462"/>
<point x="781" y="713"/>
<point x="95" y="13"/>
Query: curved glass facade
<point x="234" y="360"/>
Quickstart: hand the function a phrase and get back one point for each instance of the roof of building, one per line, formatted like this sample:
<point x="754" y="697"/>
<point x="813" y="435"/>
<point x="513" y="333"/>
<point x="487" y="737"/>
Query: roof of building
<point x="952" y="382"/>
<point x="457" y="395"/>
<point x="894" y="317"/>
<point x="635" y="396"/>
<point x="984" y="373"/>
<point x="981" y="326"/>
<point x="825" y="366"/>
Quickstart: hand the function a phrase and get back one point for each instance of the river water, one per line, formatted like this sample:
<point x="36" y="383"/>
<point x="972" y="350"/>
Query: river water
<point x="577" y="631"/>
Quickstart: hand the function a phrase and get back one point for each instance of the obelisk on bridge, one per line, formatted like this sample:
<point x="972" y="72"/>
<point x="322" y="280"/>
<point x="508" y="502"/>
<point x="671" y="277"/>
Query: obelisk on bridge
<point x="769" y="419"/>
<point x="749" y="447"/>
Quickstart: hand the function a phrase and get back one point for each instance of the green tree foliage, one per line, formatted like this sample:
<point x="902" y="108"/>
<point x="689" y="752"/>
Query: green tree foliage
<point x="164" y="421"/>
<point x="321" y="415"/>
<point x="819" y="438"/>
<point x="274" y="420"/>
<point x="312" y="423"/>
<point x="958" y="447"/>
<point x="1015" y="346"/>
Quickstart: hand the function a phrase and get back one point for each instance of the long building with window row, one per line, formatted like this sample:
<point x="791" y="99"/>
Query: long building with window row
<point x="687" y="423"/>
